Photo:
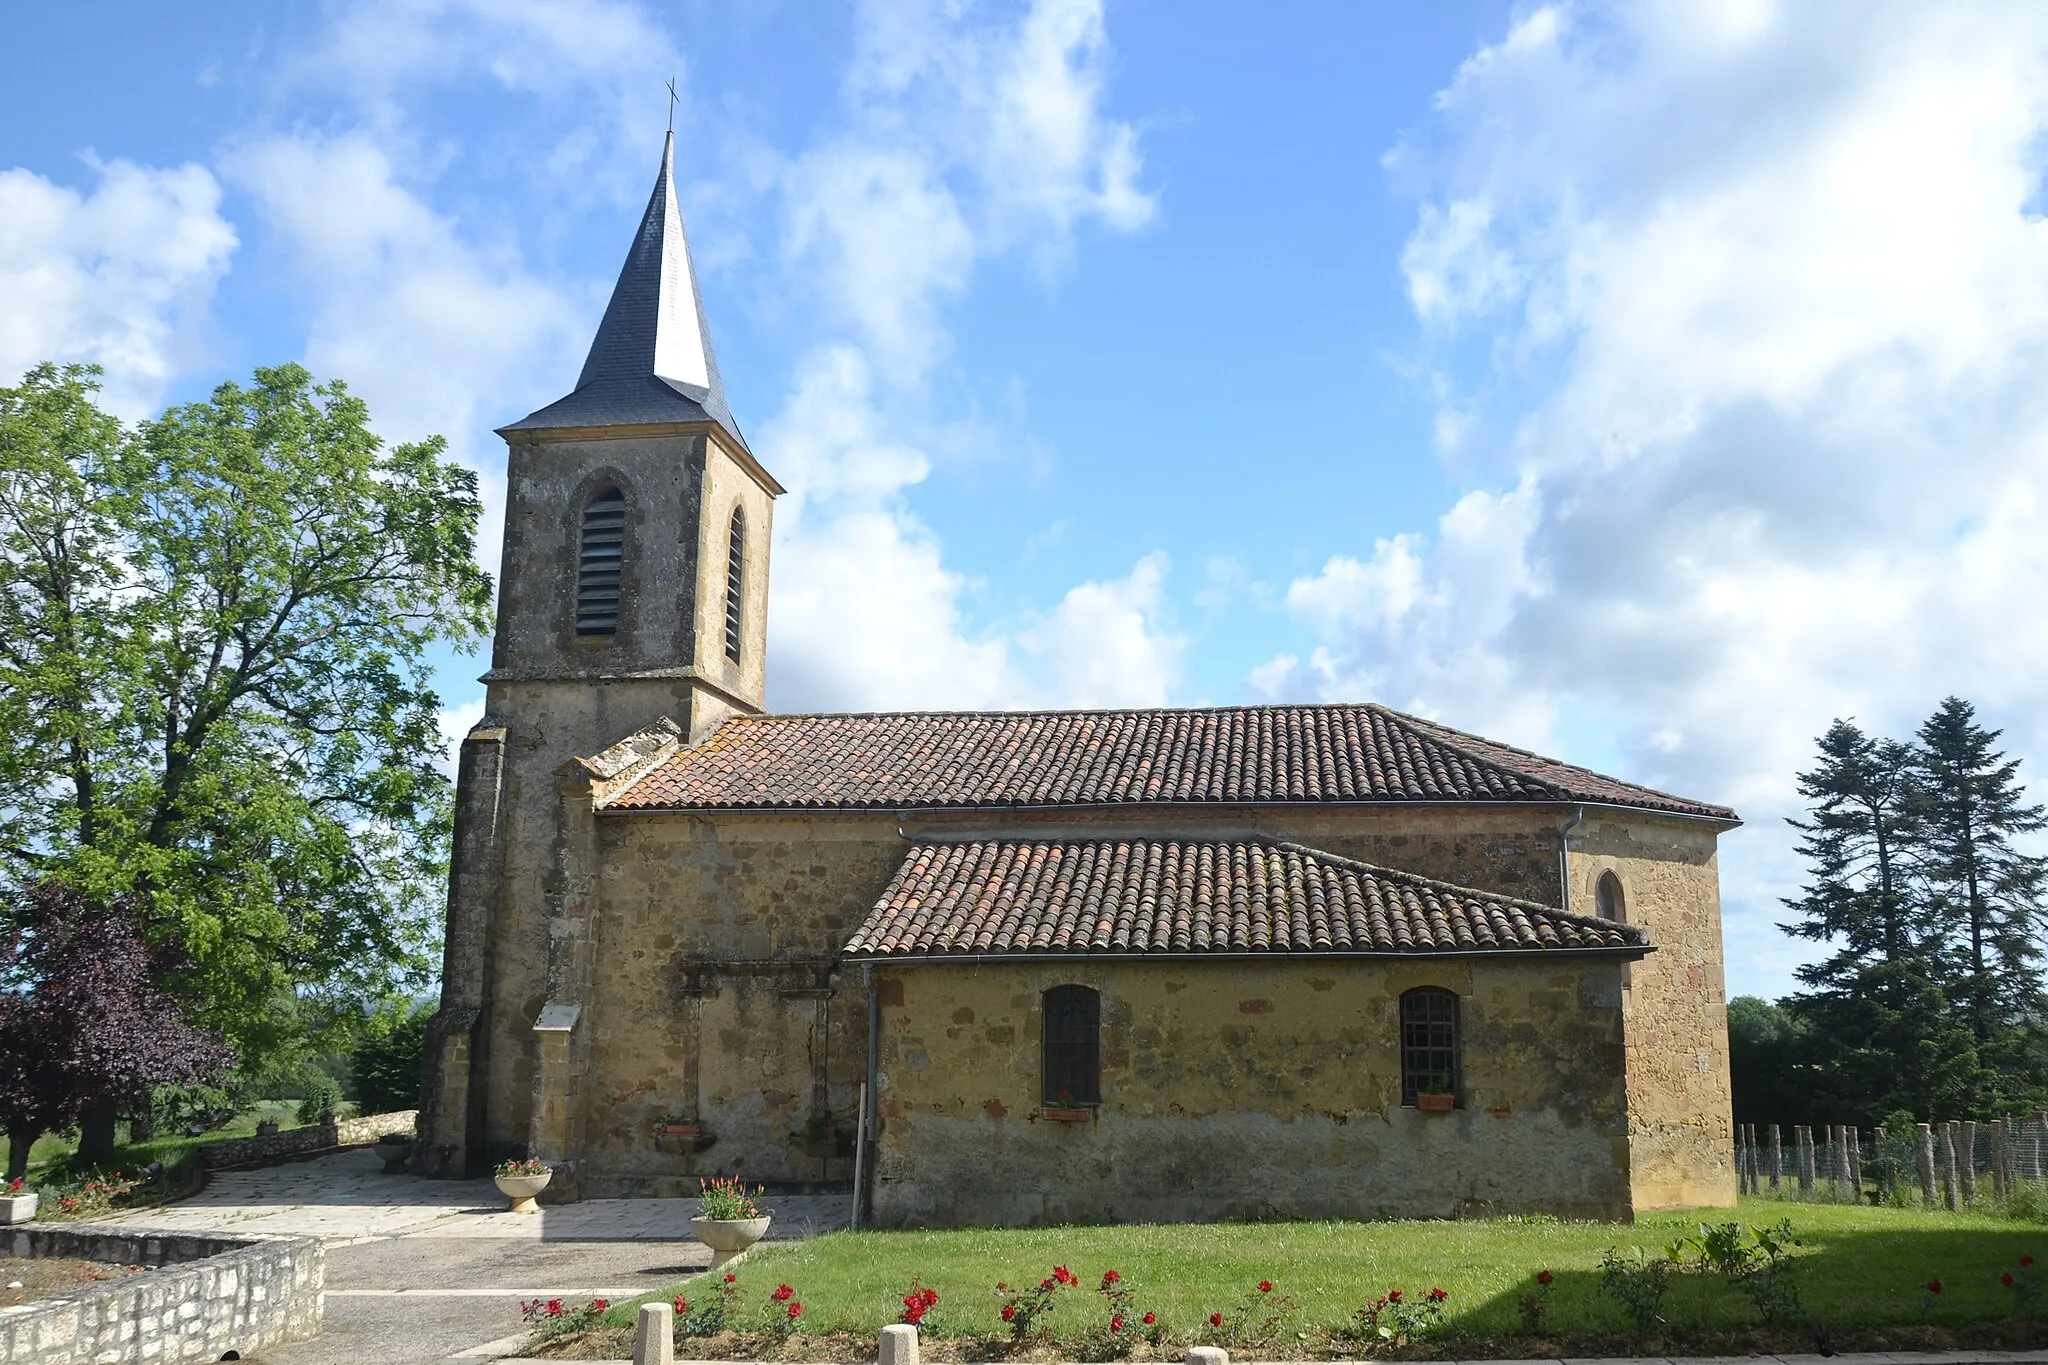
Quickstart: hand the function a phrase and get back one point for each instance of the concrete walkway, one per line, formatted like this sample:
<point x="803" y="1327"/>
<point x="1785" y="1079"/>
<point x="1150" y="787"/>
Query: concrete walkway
<point x="432" y="1270"/>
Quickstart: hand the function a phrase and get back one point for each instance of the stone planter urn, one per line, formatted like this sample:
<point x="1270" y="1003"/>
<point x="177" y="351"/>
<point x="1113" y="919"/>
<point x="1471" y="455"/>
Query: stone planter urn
<point x="728" y="1237"/>
<point x="521" y="1189"/>
<point x="392" y="1150"/>
<point x="19" y="1208"/>
<point x="266" y="1128"/>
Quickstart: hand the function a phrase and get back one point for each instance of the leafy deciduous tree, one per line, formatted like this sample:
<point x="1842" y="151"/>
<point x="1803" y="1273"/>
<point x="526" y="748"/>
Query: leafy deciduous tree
<point x="82" y="1024"/>
<point x="214" y="637"/>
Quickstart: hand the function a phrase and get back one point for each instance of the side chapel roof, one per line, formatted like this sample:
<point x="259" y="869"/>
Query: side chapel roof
<point x="1151" y="896"/>
<point x="651" y="361"/>
<point x="1197" y="757"/>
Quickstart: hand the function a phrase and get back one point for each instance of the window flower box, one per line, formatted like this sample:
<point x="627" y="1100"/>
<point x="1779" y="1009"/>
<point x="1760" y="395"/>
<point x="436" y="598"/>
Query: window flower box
<point x="1065" y="1113"/>
<point x="681" y="1139"/>
<point x="1436" y="1104"/>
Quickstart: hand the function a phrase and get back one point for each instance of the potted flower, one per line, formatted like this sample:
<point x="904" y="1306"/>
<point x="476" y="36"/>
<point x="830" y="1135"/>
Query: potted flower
<point x="392" y="1149"/>
<point x="1066" y="1110"/>
<point x="266" y="1128"/>
<point x="1437" y="1095"/>
<point x="731" y="1221"/>
<point x="18" y="1202"/>
<point x="520" y="1181"/>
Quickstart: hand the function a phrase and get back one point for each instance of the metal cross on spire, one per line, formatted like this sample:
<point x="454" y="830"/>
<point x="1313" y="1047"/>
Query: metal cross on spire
<point x="672" y="98"/>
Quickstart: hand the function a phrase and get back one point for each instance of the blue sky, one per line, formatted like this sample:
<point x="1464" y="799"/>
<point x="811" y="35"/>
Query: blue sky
<point x="1646" y="384"/>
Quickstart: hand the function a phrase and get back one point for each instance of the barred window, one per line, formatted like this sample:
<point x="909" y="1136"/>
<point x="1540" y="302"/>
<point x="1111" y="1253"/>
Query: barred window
<point x="1073" y="1046"/>
<point x="597" y="567"/>
<point x="1430" y="1061"/>
<point x="1608" y="900"/>
<point x="735" y="583"/>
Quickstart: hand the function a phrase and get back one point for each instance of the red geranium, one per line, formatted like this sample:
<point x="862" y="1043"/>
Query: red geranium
<point x="783" y="1293"/>
<point x="1544" y="1277"/>
<point x="1116" y="1324"/>
<point x="1151" y="1319"/>
<point x="1934" y="1286"/>
<point x="796" y="1310"/>
<point x="1393" y="1296"/>
<point x="682" y="1305"/>
<point x="1437" y="1296"/>
<point x="1215" y="1319"/>
<point x="554" y="1308"/>
<point x="1265" y="1286"/>
<point x="1110" y="1277"/>
<point x="1009" y="1311"/>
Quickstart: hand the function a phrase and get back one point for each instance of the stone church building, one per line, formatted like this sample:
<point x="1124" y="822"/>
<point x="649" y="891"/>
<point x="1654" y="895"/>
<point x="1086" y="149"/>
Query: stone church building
<point x="1018" y="967"/>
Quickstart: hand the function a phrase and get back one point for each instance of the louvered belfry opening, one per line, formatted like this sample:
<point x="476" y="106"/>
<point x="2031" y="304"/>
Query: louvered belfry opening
<point x="735" y="583"/>
<point x="597" y="568"/>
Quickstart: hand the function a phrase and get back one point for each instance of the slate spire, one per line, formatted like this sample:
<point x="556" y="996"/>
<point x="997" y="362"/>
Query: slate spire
<point x="651" y="360"/>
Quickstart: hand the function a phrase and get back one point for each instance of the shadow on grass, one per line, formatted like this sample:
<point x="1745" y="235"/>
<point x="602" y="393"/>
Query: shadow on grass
<point x="1859" y="1289"/>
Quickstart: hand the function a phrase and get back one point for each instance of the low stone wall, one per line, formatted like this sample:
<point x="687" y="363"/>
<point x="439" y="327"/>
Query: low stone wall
<point x="317" y="1137"/>
<point x="202" y="1297"/>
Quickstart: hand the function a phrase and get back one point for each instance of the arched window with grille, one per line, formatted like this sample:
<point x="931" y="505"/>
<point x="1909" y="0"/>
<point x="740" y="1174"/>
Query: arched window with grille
<point x="1609" y="901"/>
<point x="1431" y="1061"/>
<point x="735" y="584"/>
<point x="601" y="557"/>
<point x="1073" y="1046"/>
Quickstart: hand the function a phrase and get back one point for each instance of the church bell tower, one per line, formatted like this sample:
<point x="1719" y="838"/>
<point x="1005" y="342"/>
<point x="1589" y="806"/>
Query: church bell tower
<point x="633" y="589"/>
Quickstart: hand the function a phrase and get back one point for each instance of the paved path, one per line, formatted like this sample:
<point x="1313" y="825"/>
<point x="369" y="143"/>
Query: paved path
<point x="428" y="1270"/>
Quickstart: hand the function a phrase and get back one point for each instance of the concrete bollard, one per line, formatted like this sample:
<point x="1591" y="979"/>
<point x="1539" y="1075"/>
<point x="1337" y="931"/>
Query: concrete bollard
<point x="1208" y="1355"/>
<point x="654" y="1338"/>
<point x="899" y="1345"/>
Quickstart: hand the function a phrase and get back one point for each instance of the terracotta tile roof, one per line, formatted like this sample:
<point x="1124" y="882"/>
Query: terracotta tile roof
<point x="1170" y="896"/>
<point x="1219" y="756"/>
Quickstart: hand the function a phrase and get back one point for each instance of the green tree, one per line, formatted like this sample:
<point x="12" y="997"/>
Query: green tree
<point x="1986" y="895"/>
<point x="389" y="1051"/>
<point x="1880" y="1030"/>
<point x="214" y="639"/>
<point x="1766" y="1051"/>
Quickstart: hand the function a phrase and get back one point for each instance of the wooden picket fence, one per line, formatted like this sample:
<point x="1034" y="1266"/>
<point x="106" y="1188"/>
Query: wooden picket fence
<point x="1949" y="1162"/>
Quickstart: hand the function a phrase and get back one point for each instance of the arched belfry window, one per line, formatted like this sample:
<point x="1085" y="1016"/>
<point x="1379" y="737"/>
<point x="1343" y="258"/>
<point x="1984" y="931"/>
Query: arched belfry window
<point x="1608" y="900"/>
<point x="735" y="584"/>
<point x="1073" y="1046"/>
<point x="1431" y="1063"/>
<point x="602" y="556"/>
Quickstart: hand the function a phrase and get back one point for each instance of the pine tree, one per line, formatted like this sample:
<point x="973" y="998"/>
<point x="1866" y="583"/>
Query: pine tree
<point x="1879" y="1031"/>
<point x="1967" y="806"/>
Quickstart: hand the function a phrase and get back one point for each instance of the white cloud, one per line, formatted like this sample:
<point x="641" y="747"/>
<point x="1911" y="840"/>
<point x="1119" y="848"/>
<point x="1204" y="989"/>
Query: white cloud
<point x="121" y="277"/>
<point x="961" y="142"/>
<point x="1109" y="644"/>
<point x="1779" y="280"/>
<point x="866" y="615"/>
<point x="435" y="332"/>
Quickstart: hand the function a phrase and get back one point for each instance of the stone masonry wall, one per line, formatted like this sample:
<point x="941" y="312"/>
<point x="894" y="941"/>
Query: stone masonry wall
<point x="206" y="1296"/>
<point x="1681" y="1129"/>
<point x="1236" y="1090"/>
<point x="716" y="943"/>
<point x="296" y="1142"/>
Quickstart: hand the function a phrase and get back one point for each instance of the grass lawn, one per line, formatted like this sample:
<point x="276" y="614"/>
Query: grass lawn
<point x="56" y="1149"/>
<point x="1860" y="1269"/>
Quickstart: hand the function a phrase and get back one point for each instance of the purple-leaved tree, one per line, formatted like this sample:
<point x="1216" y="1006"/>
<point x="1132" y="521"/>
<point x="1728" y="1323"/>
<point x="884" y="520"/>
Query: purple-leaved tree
<point x="82" y="1023"/>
